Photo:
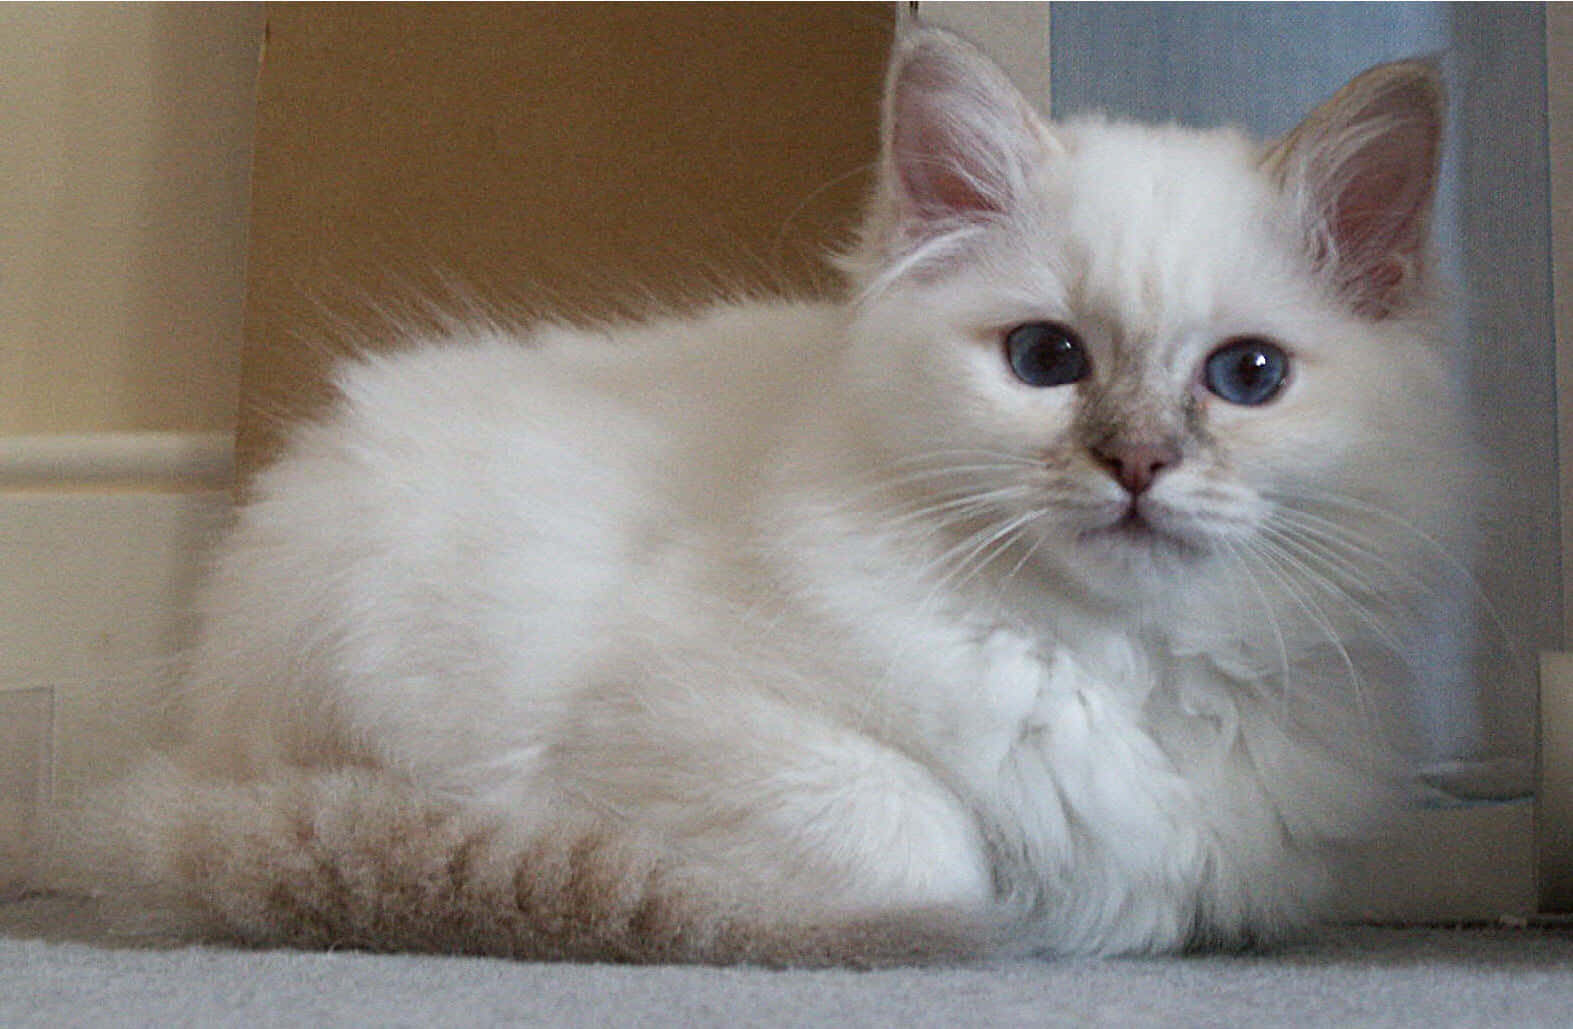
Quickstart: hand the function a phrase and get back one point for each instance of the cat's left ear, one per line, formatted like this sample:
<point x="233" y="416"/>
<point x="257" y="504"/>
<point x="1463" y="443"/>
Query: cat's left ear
<point x="960" y="144"/>
<point x="1363" y="168"/>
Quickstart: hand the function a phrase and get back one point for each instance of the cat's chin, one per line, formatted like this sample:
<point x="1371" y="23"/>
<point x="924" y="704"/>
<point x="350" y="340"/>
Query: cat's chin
<point x="1136" y="553"/>
<point x="1134" y="540"/>
<point x="1144" y="531"/>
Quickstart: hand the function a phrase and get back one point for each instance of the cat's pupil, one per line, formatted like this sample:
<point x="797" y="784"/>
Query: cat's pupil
<point x="1045" y="354"/>
<point x="1246" y="371"/>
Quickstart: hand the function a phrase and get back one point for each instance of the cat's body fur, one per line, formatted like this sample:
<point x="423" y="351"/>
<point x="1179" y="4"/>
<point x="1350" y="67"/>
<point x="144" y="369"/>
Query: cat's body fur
<point x="804" y="632"/>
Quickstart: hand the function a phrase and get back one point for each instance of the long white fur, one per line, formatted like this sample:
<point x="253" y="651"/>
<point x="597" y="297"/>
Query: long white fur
<point x="804" y="592"/>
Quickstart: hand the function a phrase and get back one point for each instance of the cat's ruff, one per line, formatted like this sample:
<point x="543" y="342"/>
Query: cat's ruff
<point x="845" y="632"/>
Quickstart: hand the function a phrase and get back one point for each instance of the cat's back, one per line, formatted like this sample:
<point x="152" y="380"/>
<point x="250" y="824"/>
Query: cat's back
<point x="555" y="414"/>
<point x="485" y="386"/>
<point x="486" y="502"/>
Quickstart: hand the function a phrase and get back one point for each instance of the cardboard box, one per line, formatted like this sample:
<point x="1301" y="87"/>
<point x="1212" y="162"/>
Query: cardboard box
<point x="415" y="159"/>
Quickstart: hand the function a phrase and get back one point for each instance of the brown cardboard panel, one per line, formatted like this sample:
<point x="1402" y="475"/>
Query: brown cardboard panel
<point x="569" y="158"/>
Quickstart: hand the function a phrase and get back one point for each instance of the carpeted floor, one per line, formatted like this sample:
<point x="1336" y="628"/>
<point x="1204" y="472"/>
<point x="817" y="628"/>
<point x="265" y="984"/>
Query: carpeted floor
<point x="57" y="968"/>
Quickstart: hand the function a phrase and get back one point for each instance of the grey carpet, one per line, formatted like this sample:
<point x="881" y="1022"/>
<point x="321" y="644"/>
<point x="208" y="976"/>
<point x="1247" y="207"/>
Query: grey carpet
<point x="58" y="968"/>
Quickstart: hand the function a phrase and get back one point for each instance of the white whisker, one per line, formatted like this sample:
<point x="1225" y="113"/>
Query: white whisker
<point x="977" y="544"/>
<point x="1451" y="572"/>
<point x="1269" y="558"/>
<point x="1232" y="550"/>
<point x="1301" y="558"/>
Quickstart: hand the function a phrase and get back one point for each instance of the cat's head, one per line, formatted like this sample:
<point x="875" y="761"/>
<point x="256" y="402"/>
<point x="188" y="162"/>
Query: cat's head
<point x="1130" y="350"/>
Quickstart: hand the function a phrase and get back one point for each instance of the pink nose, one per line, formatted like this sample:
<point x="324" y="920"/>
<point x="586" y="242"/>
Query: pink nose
<point x="1136" y="465"/>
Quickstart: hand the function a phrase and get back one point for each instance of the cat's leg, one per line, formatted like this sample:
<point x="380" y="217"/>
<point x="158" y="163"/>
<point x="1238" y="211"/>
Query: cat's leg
<point x="795" y="827"/>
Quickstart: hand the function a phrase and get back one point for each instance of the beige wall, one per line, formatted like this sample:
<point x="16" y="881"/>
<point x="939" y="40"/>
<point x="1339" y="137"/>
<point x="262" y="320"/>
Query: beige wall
<point x="123" y="195"/>
<point x="125" y="152"/>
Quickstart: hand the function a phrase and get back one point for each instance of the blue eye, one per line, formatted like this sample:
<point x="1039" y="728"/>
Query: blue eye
<point x="1246" y="371"/>
<point x="1045" y="354"/>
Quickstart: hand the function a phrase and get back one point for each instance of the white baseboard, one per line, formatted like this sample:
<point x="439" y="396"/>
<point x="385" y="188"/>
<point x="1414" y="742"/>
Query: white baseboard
<point x="26" y="720"/>
<point x="102" y="542"/>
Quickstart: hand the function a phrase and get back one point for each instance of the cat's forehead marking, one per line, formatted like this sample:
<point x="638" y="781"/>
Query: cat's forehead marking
<point x="1159" y="225"/>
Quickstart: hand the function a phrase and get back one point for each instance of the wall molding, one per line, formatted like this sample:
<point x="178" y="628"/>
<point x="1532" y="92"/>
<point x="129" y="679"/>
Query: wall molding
<point x="189" y="459"/>
<point x="99" y="589"/>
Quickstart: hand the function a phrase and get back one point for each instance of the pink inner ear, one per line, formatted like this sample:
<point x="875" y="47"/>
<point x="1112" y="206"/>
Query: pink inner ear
<point x="930" y="162"/>
<point x="959" y="134"/>
<point x="1383" y="205"/>
<point x="1379" y="216"/>
<point x="1379" y="220"/>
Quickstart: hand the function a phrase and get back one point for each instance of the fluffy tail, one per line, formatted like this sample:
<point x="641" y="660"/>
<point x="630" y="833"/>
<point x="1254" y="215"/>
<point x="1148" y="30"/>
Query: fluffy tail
<point x="359" y="859"/>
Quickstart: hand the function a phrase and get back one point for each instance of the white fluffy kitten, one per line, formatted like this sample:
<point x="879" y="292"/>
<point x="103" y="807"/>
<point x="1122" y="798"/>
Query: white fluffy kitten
<point x="1052" y="594"/>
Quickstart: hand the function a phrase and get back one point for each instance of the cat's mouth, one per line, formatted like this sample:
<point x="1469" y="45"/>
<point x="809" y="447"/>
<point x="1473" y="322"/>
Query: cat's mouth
<point x="1137" y="529"/>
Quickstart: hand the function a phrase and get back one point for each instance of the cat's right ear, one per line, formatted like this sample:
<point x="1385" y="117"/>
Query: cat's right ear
<point x="1363" y="169"/>
<point x="960" y="145"/>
